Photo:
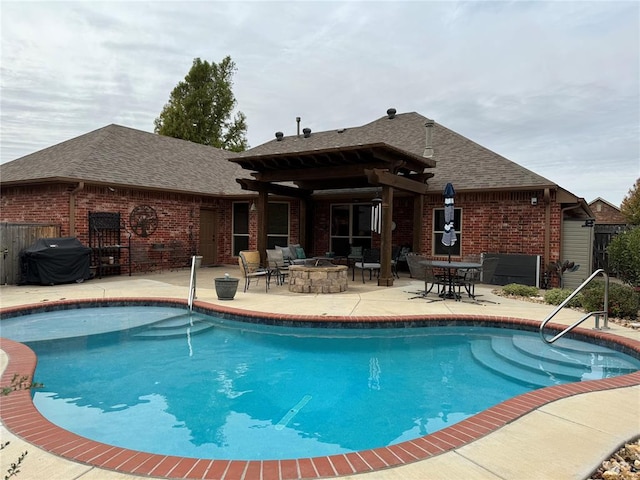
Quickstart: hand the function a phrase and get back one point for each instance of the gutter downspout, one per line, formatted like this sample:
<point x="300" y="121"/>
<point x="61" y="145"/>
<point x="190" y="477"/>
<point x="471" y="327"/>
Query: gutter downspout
<point x="547" y="227"/>
<point x="72" y="208"/>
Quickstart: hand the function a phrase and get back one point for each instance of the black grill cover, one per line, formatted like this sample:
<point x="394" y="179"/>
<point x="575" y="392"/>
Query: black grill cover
<point x="50" y="261"/>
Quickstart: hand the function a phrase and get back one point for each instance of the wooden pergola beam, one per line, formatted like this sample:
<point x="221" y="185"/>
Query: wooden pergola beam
<point x="282" y="190"/>
<point x="384" y="177"/>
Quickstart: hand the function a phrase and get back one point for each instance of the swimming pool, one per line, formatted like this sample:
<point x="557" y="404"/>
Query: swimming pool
<point x="300" y="405"/>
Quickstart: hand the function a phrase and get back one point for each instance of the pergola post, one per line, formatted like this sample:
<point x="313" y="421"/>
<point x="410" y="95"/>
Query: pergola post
<point x="386" y="277"/>
<point x="263" y="222"/>
<point x="418" y="206"/>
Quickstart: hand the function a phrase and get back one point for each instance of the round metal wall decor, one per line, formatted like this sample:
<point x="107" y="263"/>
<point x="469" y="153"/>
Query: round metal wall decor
<point x="143" y="220"/>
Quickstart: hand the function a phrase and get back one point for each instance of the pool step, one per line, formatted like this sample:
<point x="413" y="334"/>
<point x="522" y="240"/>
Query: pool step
<point x="484" y="354"/>
<point x="174" y="327"/>
<point x="571" y="352"/>
<point x="529" y="361"/>
<point x="505" y="348"/>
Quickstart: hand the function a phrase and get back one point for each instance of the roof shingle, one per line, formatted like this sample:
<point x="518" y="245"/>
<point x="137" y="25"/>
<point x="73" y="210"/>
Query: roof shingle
<point x="124" y="156"/>
<point x="467" y="164"/>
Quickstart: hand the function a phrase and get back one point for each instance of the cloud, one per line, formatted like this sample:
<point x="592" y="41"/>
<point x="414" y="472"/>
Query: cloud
<point x="553" y="86"/>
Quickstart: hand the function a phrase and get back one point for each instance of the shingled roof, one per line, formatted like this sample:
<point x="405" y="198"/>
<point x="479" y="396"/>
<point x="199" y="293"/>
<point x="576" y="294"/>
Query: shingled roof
<point x="117" y="155"/>
<point x="470" y="166"/>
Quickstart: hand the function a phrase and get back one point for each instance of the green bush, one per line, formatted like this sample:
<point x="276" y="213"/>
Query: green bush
<point x="520" y="290"/>
<point x="624" y="302"/>
<point x="624" y="256"/>
<point x="556" y="296"/>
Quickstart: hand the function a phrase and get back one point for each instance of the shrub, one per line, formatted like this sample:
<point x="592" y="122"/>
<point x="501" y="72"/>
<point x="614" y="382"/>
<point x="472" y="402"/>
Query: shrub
<point x="623" y="301"/>
<point x="556" y="296"/>
<point x="624" y="256"/>
<point x="520" y="290"/>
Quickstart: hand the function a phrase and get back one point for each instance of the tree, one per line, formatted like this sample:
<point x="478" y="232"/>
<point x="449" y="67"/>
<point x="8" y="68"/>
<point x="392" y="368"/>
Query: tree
<point x="630" y="207"/>
<point x="200" y="108"/>
<point x="624" y="256"/>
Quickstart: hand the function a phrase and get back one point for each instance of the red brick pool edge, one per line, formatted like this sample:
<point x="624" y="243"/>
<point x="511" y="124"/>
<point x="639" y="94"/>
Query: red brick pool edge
<point x="20" y="416"/>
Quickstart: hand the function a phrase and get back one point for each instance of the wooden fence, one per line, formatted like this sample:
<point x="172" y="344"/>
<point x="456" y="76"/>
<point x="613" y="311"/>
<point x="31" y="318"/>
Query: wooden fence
<point x="15" y="237"/>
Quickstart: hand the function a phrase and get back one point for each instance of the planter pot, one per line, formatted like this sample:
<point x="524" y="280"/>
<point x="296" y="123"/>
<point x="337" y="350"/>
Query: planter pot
<point x="226" y="287"/>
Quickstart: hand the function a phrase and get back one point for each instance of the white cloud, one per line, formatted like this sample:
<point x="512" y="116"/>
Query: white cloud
<point x="553" y="85"/>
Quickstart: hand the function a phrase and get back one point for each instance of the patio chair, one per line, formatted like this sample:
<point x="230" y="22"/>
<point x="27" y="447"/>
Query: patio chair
<point x="277" y="265"/>
<point x="370" y="261"/>
<point x="249" y="261"/>
<point x="481" y="275"/>
<point x="421" y="268"/>
<point x="355" y="255"/>
<point x="395" y="254"/>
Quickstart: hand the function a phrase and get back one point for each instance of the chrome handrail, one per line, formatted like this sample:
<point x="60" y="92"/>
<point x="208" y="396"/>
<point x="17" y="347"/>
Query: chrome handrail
<point x="597" y="314"/>
<point x="192" y="284"/>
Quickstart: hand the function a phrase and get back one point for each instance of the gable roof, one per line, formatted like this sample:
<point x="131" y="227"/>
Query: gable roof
<point x="600" y="199"/>
<point x="468" y="165"/>
<point x="117" y="155"/>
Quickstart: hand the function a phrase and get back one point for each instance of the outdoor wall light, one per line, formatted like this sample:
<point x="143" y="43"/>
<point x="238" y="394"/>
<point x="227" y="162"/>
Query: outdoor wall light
<point x="253" y="207"/>
<point x="534" y="200"/>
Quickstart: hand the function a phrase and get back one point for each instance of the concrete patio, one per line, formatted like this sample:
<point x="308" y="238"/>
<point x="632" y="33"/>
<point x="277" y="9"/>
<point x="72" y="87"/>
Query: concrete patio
<point x="566" y="439"/>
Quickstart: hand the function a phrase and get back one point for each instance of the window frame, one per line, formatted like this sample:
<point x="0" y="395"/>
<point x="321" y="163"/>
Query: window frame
<point x="234" y="235"/>
<point x="437" y="249"/>
<point x="351" y="237"/>
<point x="278" y="238"/>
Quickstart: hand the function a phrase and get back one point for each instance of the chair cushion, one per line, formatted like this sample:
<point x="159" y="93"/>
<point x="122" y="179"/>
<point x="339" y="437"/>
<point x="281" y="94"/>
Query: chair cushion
<point x="286" y="252"/>
<point x="367" y="265"/>
<point x="300" y="253"/>
<point x="292" y="249"/>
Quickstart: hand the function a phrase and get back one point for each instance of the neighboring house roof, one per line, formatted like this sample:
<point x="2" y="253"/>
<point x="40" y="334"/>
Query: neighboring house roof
<point x="603" y="201"/>
<point x="468" y="165"/>
<point x="606" y="213"/>
<point x="116" y="155"/>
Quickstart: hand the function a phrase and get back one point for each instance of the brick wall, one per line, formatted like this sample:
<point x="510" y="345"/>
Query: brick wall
<point x="496" y="222"/>
<point x="178" y="215"/>
<point x="606" y="214"/>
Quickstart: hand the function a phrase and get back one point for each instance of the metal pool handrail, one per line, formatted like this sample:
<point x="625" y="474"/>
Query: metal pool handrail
<point x="596" y="314"/>
<point x="192" y="284"/>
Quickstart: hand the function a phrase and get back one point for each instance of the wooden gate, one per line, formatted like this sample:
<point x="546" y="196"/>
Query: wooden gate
<point x="15" y="237"/>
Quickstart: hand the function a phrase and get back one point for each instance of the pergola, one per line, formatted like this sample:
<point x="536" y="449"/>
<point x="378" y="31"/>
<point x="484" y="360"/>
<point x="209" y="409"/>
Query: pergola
<point x="299" y="173"/>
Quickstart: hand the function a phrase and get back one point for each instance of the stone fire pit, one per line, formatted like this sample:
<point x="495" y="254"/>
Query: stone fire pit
<point x="318" y="276"/>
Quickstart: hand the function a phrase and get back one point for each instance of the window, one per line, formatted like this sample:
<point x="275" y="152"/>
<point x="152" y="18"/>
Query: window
<point x="240" y="235"/>
<point x="350" y="225"/>
<point x="278" y="228"/>
<point x="438" y="231"/>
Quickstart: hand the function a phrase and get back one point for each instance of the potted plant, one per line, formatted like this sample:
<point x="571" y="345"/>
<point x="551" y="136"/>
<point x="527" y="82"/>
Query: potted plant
<point x="226" y="287"/>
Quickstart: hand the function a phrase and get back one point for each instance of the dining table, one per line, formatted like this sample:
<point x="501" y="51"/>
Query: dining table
<point x="451" y="271"/>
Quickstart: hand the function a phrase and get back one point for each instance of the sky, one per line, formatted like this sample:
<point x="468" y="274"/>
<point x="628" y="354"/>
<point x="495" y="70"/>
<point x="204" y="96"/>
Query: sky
<point x="551" y="85"/>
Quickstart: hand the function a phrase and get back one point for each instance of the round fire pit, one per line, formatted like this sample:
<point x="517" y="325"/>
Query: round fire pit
<point x="318" y="276"/>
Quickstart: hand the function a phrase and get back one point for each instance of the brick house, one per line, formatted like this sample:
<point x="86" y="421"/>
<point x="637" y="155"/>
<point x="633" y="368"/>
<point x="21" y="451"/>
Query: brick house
<point x="314" y="188"/>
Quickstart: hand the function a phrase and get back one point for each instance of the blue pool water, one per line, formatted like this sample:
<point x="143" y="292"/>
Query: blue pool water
<point x="207" y="387"/>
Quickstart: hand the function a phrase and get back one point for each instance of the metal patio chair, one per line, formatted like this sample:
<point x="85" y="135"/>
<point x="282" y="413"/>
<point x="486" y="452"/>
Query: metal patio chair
<point x="252" y="270"/>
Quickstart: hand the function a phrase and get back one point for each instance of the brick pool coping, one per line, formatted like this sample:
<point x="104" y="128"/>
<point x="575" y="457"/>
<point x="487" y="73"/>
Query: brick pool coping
<point x="20" y="416"/>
